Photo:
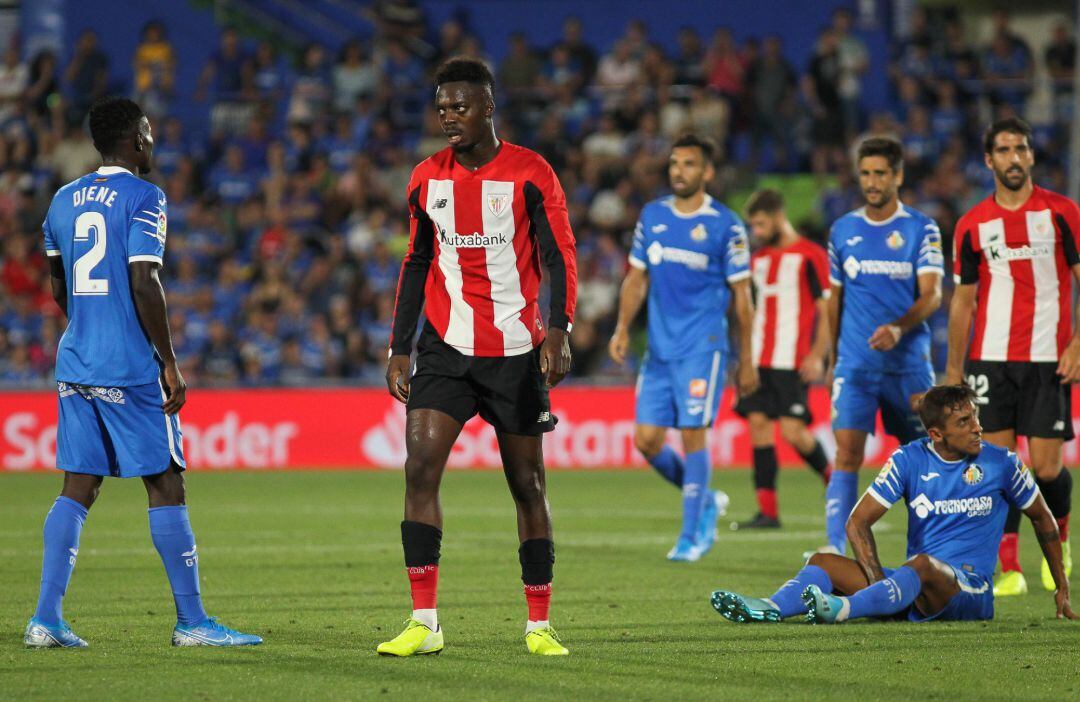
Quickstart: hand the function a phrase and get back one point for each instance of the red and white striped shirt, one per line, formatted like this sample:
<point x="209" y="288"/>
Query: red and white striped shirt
<point x="1021" y="260"/>
<point x="475" y="244"/>
<point x="787" y="281"/>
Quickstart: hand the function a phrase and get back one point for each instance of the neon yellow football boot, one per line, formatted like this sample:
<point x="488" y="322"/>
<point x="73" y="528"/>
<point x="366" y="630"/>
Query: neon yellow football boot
<point x="1048" y="577"/>
<point x="416" y="640"/>
<point x="545" y="642"/>
<point x="1009" y="583"/>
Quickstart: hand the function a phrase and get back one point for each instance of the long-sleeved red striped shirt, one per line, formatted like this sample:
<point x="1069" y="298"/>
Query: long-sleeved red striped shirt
<point x="475" y="248"/>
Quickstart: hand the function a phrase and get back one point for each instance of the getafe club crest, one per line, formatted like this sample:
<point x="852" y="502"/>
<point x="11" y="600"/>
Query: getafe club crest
<point x="699" y="233"/>
<point x="498" y="202"/>
<point x="895" y="240"/>
<point x="973" y="475"/>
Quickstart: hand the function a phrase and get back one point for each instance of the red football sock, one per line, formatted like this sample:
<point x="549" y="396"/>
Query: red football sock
<point x="1009" y="552"/>
<point x="424" y="583"/>
<point x="827" y="475"/>
<point x="1063" y="527"/>
<point x="766" y="500"/>
<point x="538" y="598"/>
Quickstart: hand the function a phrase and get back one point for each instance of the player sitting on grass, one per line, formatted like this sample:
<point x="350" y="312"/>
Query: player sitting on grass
<point x="957" y="491"/>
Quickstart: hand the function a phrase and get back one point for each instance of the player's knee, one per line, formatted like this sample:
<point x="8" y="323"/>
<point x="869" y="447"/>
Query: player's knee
<point x="420" y="478"/>
<point x="1046" y="470"/>
<point x="648" y="443"/>
<point x="923" y="565"/>
<point x="526" y="484"/>
<point x="848" y="458"/>
<point x="794" y="432"/>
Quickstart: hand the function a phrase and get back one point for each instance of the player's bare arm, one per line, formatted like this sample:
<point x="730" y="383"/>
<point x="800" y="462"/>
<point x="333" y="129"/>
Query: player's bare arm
<point x="887" y="336"/>
<point x="812" y="368"/>
<point x="1069" y="364"/>
<point x="832" y="307"/>
<point x="742" y="303"/>
<point x="632" y="295"/>
<point x="1046" y="533"/>
<point x="961" y="316"/>
<point x="58" y="282"/>
<point x="150" y="304"/>
<point x="861" y="536"/>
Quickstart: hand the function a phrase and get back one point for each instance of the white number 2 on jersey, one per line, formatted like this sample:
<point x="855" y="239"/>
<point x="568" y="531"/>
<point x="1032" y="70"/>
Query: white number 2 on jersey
<point x="86" y="224"/>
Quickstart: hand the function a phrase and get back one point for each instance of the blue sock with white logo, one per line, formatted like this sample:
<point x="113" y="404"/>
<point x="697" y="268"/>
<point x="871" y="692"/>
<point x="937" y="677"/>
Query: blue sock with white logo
<point x="669" y="464"/>
<point x="63" y="525"/>
<point x="175" y="543"/>
<point x="788" y="599"/>
<point x="840" y="498"/>
<point x="889" y="596"/>
<point x="695" y="489"/>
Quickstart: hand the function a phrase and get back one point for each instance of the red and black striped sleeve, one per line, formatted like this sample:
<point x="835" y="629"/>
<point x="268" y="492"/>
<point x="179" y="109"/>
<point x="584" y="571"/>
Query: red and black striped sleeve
<point x="1068" y="221"/>
<point x="413" y="277"/>
<point x="817" y="271"/>
<point x="545" y="202"/>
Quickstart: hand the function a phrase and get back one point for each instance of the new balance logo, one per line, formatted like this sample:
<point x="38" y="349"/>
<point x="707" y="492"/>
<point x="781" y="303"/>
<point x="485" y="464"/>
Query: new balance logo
<point x="1059" y="425"/>
<point x="929" y="476"/>
<point x="544" y="417"/>
<point x="439" y="204"/>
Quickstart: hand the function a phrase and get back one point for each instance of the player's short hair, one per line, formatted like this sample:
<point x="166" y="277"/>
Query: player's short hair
<point x="1010" y="125"/>
<point x="111" y="119"/>
<point x="889" y="149"/>
<point x="767" y="200"/>
<point x="705" y="144"/>
<point x="465" y="70"/>
<point x="942" y="400"/>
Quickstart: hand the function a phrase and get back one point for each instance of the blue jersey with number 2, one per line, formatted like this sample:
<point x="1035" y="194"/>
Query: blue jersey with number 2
<point x="97" y="225"/>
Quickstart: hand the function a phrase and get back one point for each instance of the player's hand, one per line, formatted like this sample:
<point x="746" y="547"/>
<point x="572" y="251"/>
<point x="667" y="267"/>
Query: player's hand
<point x="555" y="356"/>
<point x="398" y="375"/>
<point x="1064" y="609"/>
<point x="620" y="342"/>
<point x="885" y="337"/>
<point x="746" y="376"/>
<point x="812" y="369"/>
<point x="175" y="388"/>
<point x="1069" y="365"/>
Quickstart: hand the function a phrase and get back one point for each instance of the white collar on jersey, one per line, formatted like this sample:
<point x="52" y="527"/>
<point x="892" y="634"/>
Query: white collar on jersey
<point x="901" y="211"/>
<point x="113" y="170"/>
<point x="705" y="209"/>
<point x="930" y="446"/>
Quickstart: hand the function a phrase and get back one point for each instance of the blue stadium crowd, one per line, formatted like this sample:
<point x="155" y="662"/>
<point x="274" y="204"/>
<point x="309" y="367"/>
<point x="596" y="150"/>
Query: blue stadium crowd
<point x="287" y="219"/>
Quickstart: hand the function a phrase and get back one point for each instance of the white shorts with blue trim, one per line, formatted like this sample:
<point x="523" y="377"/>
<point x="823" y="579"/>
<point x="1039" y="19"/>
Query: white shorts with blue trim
<point x="683" y="393"/>
<point x="119" y="432"/>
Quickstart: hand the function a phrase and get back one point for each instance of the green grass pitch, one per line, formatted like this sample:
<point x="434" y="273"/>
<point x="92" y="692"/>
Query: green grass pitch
<point x="312" y="561"/>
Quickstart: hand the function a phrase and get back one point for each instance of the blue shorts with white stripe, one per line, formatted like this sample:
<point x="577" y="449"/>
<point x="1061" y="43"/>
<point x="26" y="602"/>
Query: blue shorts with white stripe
<point x="683" y="393"/>
<point x="119" y="432"/>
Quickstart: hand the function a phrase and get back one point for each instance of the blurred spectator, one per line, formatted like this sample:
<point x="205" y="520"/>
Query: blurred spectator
<point x="771" y="81"/>
<point x="43" y="86"/>
<point x="854" y="62"/>
<point x="354" y="76"/>
<point x="87" y="75"/>
<point x="154" y="64"/>
<point x="14" y="77"/>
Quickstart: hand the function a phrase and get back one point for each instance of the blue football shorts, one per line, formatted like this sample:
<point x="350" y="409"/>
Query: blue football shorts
<point x="857" y="395"/>
<point x="683" y="393"/>
<point x="118" y="432"/>
<point x="974" y="602"/>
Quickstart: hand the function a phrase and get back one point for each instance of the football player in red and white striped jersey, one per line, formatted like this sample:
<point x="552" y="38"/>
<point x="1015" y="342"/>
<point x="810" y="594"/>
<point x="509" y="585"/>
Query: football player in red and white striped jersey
<point x="1014" y="262"/>
<point x="790" y="343"/>
<point x="484" y="216"/>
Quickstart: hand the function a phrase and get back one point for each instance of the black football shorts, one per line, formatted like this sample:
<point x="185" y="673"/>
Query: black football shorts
<point x="1026" y="397"/>
<point x="507" y="391"/>
<point x="782" y="393"/>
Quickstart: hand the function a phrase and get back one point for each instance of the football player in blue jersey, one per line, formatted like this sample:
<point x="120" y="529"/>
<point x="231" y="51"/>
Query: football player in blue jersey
<point x="690" y="259"/>
<point x="885" y="267"/>
<point x="120" y="390"/>
<point x="958" y="491"/>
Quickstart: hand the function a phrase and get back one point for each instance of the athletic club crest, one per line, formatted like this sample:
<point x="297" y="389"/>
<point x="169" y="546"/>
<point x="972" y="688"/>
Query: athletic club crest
<point x="498" y="202"/>
<point x="895" y="240"/>
<point x="973" y="475"/>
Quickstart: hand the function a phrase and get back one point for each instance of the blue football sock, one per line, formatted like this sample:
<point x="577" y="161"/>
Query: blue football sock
<point x="695" y="489"/>
<point x="889" y="596"/>
<point x="669" y="464"/>
<point x="788" y="599"/>
<point x="175" y="543"/>
<point x="840" y="498"/>
<point x="63" y="525"/>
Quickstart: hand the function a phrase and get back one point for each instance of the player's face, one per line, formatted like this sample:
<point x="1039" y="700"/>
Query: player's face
<point x="1011" y="160"/>
<point x="145" y="156"/>
<point x="765" y="228"/>
<point x="688" y="171"/>
<point x="464" y="112"/>
<point x="878" y="181"/>
<point x="962" y="432"/>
